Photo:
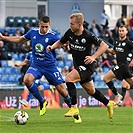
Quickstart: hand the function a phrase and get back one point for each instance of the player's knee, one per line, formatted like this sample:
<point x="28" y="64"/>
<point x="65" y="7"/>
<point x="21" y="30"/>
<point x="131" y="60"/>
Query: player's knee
<point x="28" y="81"/>
<point x="105" y="79"/>
<point x="90" y="92"/>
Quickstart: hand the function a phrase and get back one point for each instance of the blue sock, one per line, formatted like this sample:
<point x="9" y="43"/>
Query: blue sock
<point x="29" y="97"/>
<point x="35" y="92"/>
<point x="68" y="101"/>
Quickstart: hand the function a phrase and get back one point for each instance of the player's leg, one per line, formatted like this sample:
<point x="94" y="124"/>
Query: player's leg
<point x="107" y="79"/>
<point x="63" y="92"/>
<point x="26" y="102"/>
<point x="89" y="88"/>
<point x="54" y="77"/>
<point x="130" y="81"/>
<point x="52" y="89"/>
<point x="125" y="86"/>
<point x="45" y="86"/>
<point x="72" y="77"/>
<point x="32" y="87"/>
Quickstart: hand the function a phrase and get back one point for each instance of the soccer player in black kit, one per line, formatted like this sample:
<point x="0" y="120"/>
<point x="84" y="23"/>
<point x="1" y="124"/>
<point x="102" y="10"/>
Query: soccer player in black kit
<point x="123" y="48"/>
<point x="80" y="45"/>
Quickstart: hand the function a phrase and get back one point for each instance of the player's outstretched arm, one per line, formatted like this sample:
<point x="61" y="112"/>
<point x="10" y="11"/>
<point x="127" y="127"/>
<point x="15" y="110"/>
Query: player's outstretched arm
<point x="102" y="48"/>
<point x="57" y="44"/>
<point x="111" y="51"/>
<point x="14" y="39"/>
<point x="23" y="63"/>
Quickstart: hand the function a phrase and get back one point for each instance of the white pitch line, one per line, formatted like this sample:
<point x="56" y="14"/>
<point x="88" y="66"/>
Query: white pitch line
<point x="6" y="118"/>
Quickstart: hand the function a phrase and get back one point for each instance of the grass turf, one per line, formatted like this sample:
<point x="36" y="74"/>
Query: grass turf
<point x="95" y="120"/>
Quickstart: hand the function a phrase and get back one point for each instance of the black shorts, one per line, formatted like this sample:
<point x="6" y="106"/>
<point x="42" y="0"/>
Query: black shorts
<point x="85" y="73"/>
<point x="122" y="71"/>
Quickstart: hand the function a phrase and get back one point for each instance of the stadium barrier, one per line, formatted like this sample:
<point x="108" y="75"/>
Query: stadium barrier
<point x="10" y="96"/>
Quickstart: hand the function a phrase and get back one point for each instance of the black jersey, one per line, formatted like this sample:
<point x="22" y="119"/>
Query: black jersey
<point x="123" y="51"/>
<point x="80" y="46"/>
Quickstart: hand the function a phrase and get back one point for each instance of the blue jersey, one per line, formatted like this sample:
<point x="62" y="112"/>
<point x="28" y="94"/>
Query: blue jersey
<point x="29" y="57"/>
<point x="39" y="43"/>
<point x="43" y="63"/>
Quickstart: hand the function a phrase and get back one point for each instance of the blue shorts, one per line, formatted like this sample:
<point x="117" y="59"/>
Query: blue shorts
<point x="51" y="73"/>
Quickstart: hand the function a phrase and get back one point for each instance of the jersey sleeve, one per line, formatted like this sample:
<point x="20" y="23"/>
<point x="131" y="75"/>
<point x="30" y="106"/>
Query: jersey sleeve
<point x="28" y="34"/>
<point x="65" y="38"/>
<point x="114" y="48"/>
<point x="95" y="40"/>
<point x="27" y="56"/>
<point x="131" y="44"/>
<point x="56" y="38"/>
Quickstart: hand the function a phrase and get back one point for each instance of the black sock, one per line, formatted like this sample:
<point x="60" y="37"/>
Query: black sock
<point x="72" y="92"/>
<point x="123" y="92"/>
<point x="100" y="97"/>
<point x="111" y="86"/>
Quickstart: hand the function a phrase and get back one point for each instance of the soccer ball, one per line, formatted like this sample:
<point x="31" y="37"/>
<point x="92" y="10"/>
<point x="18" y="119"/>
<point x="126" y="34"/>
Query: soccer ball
<point x="21" y="117"/>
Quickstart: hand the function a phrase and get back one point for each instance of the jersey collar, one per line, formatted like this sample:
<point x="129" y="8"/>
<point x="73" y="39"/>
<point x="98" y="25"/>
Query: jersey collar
<point x="49" y="31"/>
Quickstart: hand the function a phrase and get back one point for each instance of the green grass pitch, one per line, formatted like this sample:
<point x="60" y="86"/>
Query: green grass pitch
<point x="94" y="119"/>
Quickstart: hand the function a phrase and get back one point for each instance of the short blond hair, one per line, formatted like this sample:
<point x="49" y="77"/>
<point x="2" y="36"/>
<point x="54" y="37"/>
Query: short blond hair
<point x="78" y="17"/>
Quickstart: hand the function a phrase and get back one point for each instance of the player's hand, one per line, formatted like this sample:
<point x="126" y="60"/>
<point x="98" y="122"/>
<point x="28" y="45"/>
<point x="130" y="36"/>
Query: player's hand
<point x="16" y="65"/>
<point x="66" y="48"/>
<point x="48" y="48"/>
<point x="1" y="37"/>
<point x="89" y="60"/>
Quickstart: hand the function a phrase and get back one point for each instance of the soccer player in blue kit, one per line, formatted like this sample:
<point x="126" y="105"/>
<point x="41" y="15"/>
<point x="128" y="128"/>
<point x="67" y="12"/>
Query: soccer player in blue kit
<point x="28" y="61"/>
<point x="43" y="63"/>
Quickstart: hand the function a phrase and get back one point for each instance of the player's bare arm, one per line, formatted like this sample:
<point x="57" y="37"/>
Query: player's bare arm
<point x="111" y="51"/>
<point x="57" y="44"/>
<point x="102" y="48"/>
<point x="14" y="39"/>
<point x="23" y="63"/>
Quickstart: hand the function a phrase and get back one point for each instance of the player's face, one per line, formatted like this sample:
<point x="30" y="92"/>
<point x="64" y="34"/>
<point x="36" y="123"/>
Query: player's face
<point x="122" y="32"/>
<point x="74" y="25"/>
<point x="44" y="27"/>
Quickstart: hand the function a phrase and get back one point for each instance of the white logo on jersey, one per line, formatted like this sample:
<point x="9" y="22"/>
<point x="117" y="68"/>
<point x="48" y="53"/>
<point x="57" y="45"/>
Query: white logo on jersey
<point x="34" y="37"/>
<point x="46" y="40"/>
<point x="130" y="54"/>
<point x="123" y="44"/>
<point x="128" y="59"/>
<point x="83" y="40"/>
<point x="82" y="68"/>
<point x="77" y="41"/>
<point x="71" y="37"/>
<point x="119" y="49"/>
<point x="116" y="67"/>
<point x="119" y="44"/>
<point x="77" y="47"/>
<point x="39" y="47"/>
